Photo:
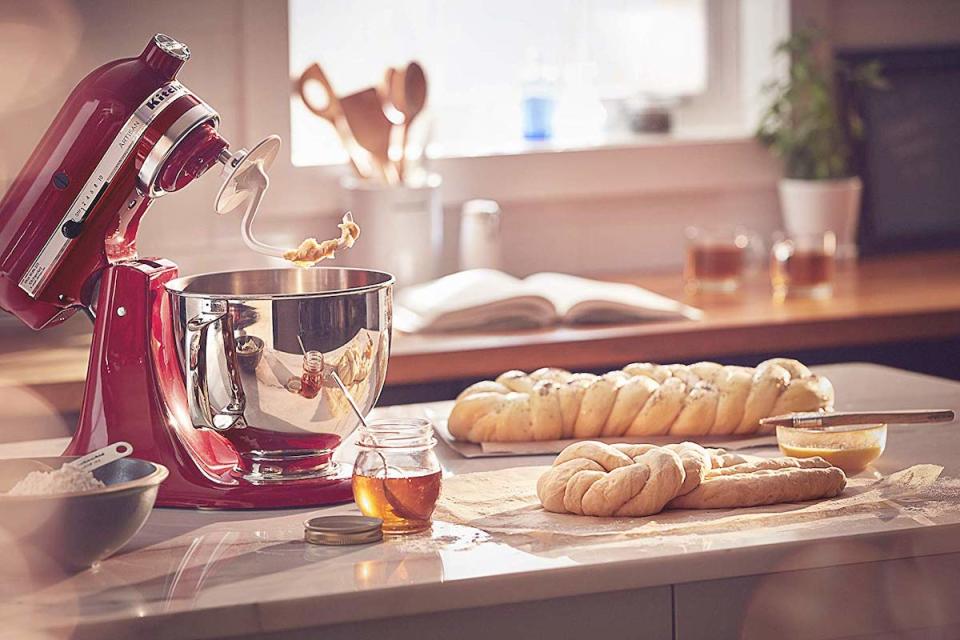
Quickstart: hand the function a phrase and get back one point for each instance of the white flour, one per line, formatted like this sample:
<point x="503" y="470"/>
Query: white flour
<point x="944" y="489"/>
<point x="940" y="498"/>
<point x="66" y="479"/>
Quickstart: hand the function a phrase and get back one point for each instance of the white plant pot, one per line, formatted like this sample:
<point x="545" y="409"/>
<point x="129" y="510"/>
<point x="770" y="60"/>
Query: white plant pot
<point x="816" y="206"/>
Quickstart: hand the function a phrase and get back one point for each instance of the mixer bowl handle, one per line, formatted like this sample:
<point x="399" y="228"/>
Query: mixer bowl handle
<point x="202" y="412"/>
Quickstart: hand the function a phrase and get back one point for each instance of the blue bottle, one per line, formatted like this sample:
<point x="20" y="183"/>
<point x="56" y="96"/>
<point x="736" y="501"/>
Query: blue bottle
<point x="539" y="98"/>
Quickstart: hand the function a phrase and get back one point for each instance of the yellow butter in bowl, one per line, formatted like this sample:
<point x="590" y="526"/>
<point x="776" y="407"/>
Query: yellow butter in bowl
<point x="852" y="448"/>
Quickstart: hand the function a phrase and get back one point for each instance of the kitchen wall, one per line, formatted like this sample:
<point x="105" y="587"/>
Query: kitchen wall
<point x="882" y="23"/>
<point x="48" y="45"/>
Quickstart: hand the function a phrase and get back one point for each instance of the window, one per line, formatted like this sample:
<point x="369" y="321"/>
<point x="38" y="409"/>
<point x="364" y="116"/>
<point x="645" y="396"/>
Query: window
<point x="596" y="58"/>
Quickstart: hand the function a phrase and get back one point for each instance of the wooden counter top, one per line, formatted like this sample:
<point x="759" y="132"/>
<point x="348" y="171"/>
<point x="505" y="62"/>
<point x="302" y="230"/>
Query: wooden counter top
<point x="881" y="301"/>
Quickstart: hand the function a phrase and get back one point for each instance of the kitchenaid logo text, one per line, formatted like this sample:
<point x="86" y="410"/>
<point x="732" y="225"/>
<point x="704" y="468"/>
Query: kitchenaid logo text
<point x="164" y="93"/>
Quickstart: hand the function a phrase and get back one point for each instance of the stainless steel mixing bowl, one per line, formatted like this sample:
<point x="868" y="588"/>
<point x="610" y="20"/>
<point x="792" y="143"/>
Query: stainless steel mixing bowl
<point x="257" y="348"/>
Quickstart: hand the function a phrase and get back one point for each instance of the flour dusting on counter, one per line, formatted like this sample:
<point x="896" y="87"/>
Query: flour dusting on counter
<point x="504" y="503"/>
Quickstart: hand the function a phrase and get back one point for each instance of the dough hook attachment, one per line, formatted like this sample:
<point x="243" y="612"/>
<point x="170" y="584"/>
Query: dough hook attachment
<point x="245" y="181"/>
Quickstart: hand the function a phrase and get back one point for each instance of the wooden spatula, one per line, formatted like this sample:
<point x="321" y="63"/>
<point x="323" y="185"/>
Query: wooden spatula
<point x="331" y="111"/>
<point x="371" y="129"/>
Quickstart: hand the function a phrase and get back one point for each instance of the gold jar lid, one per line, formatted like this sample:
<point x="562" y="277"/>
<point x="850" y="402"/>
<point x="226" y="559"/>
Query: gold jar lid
<point x="343" y="530"/>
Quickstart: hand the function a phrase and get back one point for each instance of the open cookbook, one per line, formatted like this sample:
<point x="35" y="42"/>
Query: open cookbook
<point x="491" y="299"/>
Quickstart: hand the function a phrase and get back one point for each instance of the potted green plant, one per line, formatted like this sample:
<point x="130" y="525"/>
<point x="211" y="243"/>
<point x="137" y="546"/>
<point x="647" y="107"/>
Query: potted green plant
<point x="804" y="126"/>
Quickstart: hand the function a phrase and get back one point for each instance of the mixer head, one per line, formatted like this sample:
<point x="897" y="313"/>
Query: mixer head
<point x="241" y="177"/>
<point x="75" y="208"/>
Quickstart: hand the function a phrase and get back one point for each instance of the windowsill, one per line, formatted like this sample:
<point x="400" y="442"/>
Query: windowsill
<point x="647" y="166"/>
<point x="658" y="165"/>
<point x="619" y="141"/>
<point x="616" y="141"/>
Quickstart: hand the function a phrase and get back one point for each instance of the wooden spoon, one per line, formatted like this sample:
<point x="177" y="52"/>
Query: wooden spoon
<point x="371" y="128"/>
<point x="411" y="103"/>
<point x="391" y="94"/>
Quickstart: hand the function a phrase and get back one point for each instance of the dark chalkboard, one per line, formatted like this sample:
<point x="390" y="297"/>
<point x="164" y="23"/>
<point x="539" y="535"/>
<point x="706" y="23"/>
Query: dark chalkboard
<point x="910" y="156"/>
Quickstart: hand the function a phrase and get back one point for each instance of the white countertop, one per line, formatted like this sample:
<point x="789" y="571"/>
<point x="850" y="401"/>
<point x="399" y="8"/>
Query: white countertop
<point x="199" y="574"/>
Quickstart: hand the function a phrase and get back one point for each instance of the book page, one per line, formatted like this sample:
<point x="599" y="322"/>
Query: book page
<point x="477" y="298"/>
<point x="584" y="300"/>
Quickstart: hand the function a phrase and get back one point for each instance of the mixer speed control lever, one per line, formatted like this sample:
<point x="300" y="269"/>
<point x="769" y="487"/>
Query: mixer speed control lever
<point x="71" y="229"/>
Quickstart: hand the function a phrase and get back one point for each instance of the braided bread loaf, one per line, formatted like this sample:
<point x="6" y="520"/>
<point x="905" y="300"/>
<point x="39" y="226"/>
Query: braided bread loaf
<point x="642" y="399"/>
<point x="597" y="479"/>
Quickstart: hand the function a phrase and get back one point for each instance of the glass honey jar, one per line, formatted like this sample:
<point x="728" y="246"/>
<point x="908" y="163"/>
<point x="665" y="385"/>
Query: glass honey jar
<point x="397" y="474"/>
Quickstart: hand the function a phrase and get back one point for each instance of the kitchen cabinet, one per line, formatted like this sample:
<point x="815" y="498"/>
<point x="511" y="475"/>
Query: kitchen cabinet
<point x="847" y="601"/>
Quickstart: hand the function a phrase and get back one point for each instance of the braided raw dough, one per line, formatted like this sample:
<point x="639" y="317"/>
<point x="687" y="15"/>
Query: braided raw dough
<point x="768" y="482"/>
<point x="597" y="479"/>
<point x="642" y="399"/>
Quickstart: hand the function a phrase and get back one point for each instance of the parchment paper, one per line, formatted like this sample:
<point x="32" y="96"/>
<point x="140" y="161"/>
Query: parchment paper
<point x="505" y="502"/>
<point x="553" y="447"/>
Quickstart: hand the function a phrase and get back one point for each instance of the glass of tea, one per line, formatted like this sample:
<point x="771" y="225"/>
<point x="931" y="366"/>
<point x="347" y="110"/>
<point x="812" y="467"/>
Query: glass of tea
<point x="397" y="474"/>
<point x="802" y="265"/>
<point x="716" y="258"/>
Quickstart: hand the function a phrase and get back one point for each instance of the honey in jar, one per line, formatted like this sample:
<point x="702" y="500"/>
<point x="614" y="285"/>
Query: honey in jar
<point x="405" y="504"/>
<point x="397" y="476"/>
<point x="311" y="380"/>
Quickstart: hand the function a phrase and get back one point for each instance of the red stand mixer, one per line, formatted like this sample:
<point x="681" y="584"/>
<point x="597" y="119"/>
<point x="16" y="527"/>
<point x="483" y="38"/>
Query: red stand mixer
<point x="220" y="377"/>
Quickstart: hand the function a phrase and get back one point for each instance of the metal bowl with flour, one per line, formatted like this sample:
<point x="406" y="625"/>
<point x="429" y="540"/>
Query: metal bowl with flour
<point x="74" y="531"/>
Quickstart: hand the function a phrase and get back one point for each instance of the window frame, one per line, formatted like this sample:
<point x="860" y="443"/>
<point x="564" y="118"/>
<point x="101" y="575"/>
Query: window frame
<point x="726" y="158"/>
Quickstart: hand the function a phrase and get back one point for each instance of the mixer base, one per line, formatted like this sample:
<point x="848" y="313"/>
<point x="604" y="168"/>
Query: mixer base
<point x="245" y="495"/>
<point x="264" y="457"/>
<point x="266" y="472"/>
<point x="147" y="407"/>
